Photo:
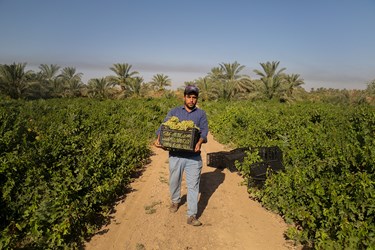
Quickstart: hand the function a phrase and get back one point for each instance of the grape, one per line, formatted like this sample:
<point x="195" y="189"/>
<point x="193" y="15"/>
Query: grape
<point x="174" y="123"/>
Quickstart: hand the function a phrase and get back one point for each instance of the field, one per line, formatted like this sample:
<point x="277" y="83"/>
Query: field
<point x="65" y="161"/>
<point x="329" y="154"/>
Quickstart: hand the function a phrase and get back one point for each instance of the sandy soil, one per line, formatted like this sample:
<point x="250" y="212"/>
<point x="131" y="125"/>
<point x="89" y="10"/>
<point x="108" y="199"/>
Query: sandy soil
<point x="230" y="219"/>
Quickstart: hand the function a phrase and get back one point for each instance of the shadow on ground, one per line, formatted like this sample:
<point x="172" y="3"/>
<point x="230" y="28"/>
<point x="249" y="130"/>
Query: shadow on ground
<point x="210" y="181"/>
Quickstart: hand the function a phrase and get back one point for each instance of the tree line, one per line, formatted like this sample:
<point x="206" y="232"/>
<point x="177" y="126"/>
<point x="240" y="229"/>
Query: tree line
<point x="225" y="82"/>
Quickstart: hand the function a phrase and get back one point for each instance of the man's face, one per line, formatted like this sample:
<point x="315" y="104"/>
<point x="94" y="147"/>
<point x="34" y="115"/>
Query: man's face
<point x="190" y="101"/>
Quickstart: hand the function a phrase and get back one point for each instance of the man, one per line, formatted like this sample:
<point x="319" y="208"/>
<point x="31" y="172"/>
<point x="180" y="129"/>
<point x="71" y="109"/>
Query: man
<point x="190" y="162"/>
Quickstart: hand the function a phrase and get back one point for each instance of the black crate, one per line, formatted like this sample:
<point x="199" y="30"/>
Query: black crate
<point x="260" y="170"/>
<point x="270" y="153"/>
<point x="216" y="159"/>
<point x="255" y="182"/>
<point x="233" y="156"/>
<point x="267" y="154"/>
<point x="179" y="140"/>
<point x="239" y="150"/>
<point x="271" y="157"/>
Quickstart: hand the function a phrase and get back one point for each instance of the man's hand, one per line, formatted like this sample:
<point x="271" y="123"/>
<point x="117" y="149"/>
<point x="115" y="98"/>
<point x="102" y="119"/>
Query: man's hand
<point x="198" y="145"/>
<point x="157" y="143"/>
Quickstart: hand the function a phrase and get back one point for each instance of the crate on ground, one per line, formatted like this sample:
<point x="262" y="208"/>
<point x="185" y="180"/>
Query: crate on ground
<point x="255" y="182"/>
<point x="239" y="150"/>
<point x="270" y="153"/>
<point x="271" y="157"/>
<point x="271" y="162"/>
<point x="216" y="159"/>
<point x="233" y="156"/>
<point x="179" y="140"/>
<point x="226" y="159"/>
<point x="260" y="170"/>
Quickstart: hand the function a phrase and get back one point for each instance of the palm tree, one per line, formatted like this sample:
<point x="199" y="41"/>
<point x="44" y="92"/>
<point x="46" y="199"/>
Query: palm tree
<point x="272" y="79"/>
<point x="49" y="79"/>
<point x="228" y="82"/>
<point x="232" y="73"/>
<point x="205" y="88"/>
<point x="123" y="75"/>
<point x="49" y="72"/>
<point x="99" y="87"/>
<point x="15" y="81"/>
<point x="160" y="81"/>
<point x="371" y="87"/>
<point x="71" y="81"/>
<point x="292" y="82"/>
<point x="216" y="74"/>
<point x="136" y="85"/>
<point x="146" y="89"/>
<point x="220" y="90"/>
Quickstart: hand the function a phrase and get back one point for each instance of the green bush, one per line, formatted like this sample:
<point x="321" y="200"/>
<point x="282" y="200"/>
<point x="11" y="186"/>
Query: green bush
<point x="64" y="162"/>
<point x="329" y="155"/>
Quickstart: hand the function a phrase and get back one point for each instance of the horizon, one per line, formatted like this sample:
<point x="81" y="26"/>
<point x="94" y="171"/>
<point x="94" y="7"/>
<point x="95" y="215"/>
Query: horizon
<point x="328" y="43"/>
<point x="175" y="85"/>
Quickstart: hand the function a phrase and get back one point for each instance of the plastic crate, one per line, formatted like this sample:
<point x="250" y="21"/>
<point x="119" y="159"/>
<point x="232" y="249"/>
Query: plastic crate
<point x="270" y="153"/>
<point x="216" y="159"/>
<point x="233" y="156"/>
<point x="260" y="170"/>
<point x="271" y="157"/>
<point x="239" y="150"/>
<point x="267" y="154"/>
<point x="179" y="140"/>
<point x="254" y="182"/>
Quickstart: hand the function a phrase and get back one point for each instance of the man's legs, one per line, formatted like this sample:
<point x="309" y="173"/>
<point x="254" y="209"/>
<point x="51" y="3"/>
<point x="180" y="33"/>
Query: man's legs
<point x="193" y="169"/>
<point x="176" y="168"/>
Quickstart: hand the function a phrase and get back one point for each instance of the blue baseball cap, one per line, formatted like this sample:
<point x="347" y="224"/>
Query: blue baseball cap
<point x="191" y="89"/>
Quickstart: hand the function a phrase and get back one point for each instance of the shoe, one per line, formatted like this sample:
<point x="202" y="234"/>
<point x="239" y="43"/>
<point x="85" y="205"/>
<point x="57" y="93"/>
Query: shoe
<point x="173" y="208"/>
<point x="193" y="221"/>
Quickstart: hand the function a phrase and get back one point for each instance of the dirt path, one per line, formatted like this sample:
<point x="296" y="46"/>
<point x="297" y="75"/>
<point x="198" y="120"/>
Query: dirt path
<point x="230" y="219"/>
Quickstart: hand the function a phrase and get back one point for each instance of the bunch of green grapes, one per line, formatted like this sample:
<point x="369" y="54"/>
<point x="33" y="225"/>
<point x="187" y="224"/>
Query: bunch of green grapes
<point x="174" y="123"/>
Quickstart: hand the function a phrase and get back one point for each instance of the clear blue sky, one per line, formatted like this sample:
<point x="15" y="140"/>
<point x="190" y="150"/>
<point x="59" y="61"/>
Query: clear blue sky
<point x="330" y="43"/>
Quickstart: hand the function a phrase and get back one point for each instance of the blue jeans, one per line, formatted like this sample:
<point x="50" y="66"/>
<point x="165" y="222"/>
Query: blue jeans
<point x="192" y="167"/>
